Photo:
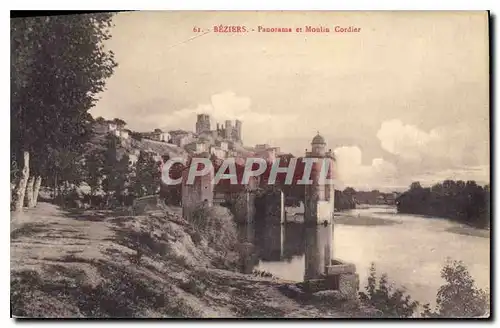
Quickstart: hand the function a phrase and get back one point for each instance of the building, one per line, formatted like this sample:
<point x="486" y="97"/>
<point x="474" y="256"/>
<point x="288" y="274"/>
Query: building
<point x="269" y="154"/>
<point x="276" y="150"/>
<point x="218" y="152"/>
<point x="318" y="145"/>
<point x="157" y="135"/>
<point x="318" y="210"/>
<point x="237" y="130"/>
<point x="202" y="123"/>
<point x="112" y="127"/>
<point x="103" y="127"/>
<point x="223" y="145"/>
<point x="124" y="134"/>
<point x="133" y="159"/>
<point x="201" y="147"/>
<point x="262" y="147"/>
<point x="181" y="137"/>
<point x="226" y="131"/>
<point x="182" y="140"/>
<point x="232" y="153"/>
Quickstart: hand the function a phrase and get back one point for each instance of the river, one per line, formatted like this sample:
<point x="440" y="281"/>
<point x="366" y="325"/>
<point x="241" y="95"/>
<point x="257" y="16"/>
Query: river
<point x="410" y="249"/>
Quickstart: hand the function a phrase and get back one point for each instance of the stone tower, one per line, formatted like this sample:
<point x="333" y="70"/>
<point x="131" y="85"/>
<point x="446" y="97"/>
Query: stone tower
<point x="229" y="129"/>
<point x="202" y="123"/>
<point x="238" y="124"/>
<point x="199" y="192"/>
<point x="318" y="211"/>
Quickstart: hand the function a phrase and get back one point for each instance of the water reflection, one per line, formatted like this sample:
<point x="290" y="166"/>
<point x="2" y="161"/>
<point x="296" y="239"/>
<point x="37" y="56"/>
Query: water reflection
<point x="276" y="242"/>
<point x="272" y="243"/>
<point x="411" y="252"/>
<point x="318" y="250"/>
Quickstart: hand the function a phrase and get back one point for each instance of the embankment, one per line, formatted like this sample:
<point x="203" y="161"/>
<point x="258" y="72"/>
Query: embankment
<point x="101" y="264"/>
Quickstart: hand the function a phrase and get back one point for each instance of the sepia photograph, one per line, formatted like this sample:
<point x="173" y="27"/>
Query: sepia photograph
<point x="250" y="164"/>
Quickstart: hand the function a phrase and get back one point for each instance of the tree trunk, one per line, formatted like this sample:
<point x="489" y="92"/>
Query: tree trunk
<point x="55" y="188"/>
<point x="36" y="190"/>
<point x="28" y="198"/>
<point x="18" y="201"/>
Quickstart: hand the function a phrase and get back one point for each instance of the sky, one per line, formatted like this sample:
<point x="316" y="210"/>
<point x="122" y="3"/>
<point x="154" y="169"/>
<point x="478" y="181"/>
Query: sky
<point x="404" y="99"/>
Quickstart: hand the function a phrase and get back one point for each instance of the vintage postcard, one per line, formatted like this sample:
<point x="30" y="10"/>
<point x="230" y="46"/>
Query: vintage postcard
<point x="250" y="165"/>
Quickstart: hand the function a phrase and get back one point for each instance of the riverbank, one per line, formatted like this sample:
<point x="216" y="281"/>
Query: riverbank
<point x="99" y="264"/>
<point x="358" y="220"/>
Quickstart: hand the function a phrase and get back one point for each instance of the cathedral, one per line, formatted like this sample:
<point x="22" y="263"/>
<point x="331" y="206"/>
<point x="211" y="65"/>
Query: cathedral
<point x="227" y="131"/>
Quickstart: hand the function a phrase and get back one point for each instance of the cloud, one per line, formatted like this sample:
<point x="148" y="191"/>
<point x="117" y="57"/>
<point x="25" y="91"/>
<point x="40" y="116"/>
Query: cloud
<point x="453" y="145"/>
<point x="351" y="172"/>
<point x="445" y="152"/>
<point x="405" y="140"/>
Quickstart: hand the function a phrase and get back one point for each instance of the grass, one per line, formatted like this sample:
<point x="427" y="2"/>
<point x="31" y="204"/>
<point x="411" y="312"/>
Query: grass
<point x="172" y="277"/>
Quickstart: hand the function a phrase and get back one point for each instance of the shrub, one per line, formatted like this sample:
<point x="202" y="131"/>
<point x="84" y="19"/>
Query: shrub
<point x="216" y="225"/>
<point x="193" y="286"/>
<point x="459" y="297"/>
<point x="392" y="303"/>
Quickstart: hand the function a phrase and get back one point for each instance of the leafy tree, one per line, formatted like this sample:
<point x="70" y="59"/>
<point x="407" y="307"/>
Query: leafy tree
<point x="461" y="201"/>
<point x="94" y="163"/>
<point x="459" y="297"/>
<point x="136" y="135"/>
<point x="345" y="200"/>
<point x="391" y="302"/>
<point x="58" y="67"/>
<point x="116" y="170"/>
<point x="119" y="122"/>
<point x="415" y="186"/>
<point x="350" y="191"/>
<point x="147" y="175"/>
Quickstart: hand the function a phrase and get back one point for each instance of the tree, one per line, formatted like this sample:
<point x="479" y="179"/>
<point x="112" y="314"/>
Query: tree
<point x="349" y="191"/>
<point x="461" y="201"/>
<point x="415" y="186"/>
<point x="58" y="67"/>
<point x="392" y="303"/>
<point x="116" y="170"/>
<point x="94" y="163"/>
<point x="459" y="297"/>
<point x="147" y="175"/>
<point x="119" y="122"/>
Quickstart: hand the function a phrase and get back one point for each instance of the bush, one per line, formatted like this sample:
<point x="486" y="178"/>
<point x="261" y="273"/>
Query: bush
<point x="392" y="303"/>
<point x="216" y="225"/>
<point x="459" y="297"/>
<point x="193" y="286"/>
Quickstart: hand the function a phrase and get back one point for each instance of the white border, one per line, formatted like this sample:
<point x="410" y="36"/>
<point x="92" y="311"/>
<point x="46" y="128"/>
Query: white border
<point x="189" y="5"/>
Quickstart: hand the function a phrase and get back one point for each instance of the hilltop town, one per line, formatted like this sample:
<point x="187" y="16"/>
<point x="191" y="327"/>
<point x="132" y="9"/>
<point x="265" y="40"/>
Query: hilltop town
<point x="219" y="142"/>
<point x="224" y="141"/>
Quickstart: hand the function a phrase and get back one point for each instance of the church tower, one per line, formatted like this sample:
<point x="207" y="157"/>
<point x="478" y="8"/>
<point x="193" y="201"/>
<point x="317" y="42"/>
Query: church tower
<point x="202" y="123"/>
